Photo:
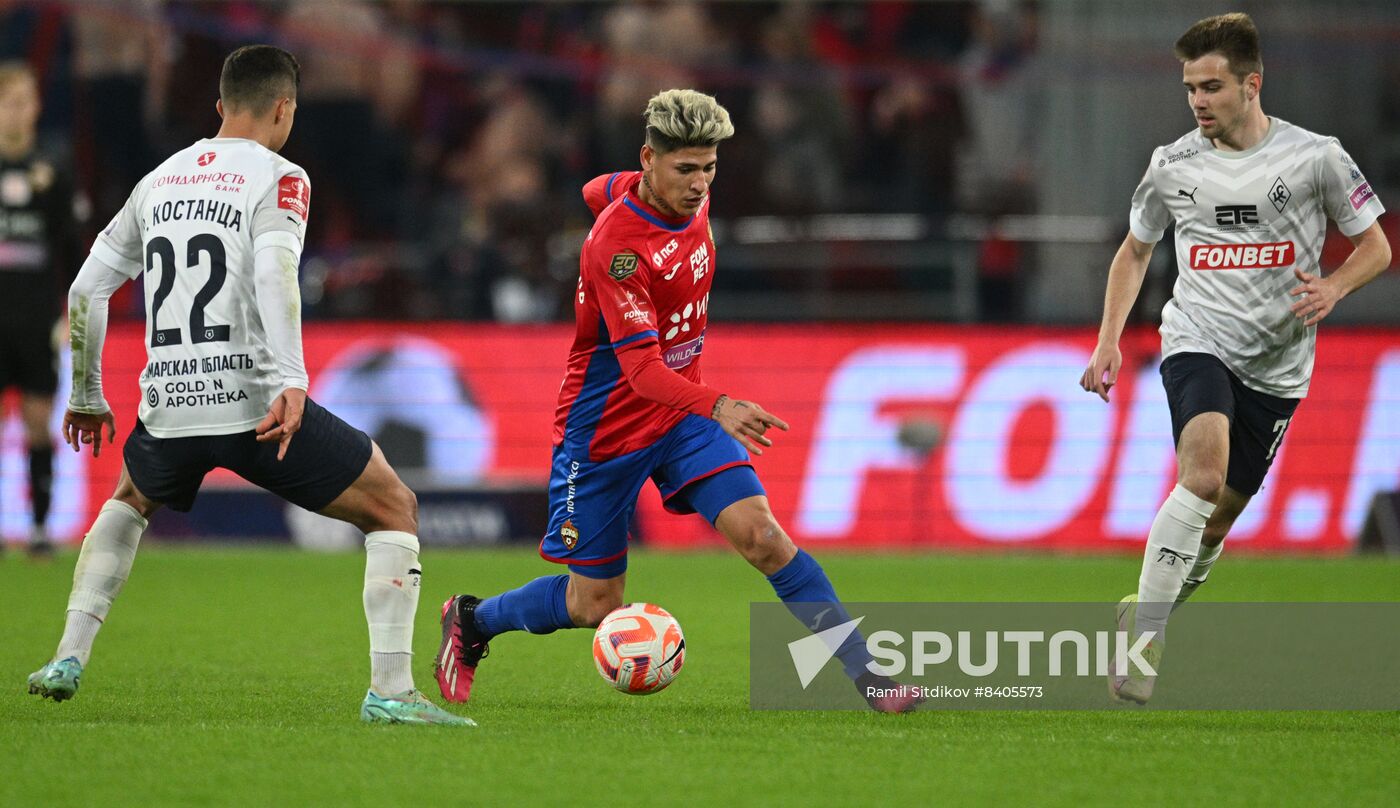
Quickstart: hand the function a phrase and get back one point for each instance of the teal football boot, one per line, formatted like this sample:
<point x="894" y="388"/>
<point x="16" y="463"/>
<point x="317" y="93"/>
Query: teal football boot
<point x="57" y="680"/>
<point x="411" y="707"/>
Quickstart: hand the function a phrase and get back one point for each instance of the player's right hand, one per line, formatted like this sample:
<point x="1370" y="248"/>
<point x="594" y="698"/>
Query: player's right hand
<point x="80" y="428"/>
<point x="283" y="419"/>
<point x="1102" y="372"/>
<point x="746" y="422"/>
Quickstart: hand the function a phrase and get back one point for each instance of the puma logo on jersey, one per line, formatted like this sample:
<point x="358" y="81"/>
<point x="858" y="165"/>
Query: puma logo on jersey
<point x="1191" y="196"/>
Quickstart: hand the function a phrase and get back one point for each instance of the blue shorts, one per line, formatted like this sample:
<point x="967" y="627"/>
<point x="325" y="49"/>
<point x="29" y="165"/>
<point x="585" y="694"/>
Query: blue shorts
<point x="696" y="466"/>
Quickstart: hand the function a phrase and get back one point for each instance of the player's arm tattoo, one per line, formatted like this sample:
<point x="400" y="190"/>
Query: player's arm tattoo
<point x="719" y="404"/>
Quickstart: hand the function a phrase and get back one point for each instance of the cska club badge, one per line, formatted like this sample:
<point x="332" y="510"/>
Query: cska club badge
<point x="568" y="532"/>
<point x="622" y="267"/>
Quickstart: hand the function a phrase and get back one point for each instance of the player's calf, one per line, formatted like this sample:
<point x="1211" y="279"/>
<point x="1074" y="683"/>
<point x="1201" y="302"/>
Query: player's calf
<point x="590" y="600"/>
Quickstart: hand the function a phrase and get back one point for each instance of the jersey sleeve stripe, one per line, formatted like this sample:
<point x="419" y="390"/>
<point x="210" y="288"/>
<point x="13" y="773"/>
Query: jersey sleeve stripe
<point x="607" y="190"/>
<point x="629" y="340"/>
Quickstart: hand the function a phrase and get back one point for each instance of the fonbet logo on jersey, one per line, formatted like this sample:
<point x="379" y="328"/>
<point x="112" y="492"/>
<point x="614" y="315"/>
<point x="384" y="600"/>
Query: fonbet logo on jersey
<point x="1242" y="256"/>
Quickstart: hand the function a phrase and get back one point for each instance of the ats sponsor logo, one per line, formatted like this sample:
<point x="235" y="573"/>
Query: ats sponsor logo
<point x="1235" y="215"/>
<point x="1242" y="256"/>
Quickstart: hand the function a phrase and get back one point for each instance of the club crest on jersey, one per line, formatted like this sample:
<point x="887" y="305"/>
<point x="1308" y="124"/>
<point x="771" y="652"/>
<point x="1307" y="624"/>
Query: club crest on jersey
<point x="569" y="534"/>
<point x="623" y="266"/>
<point x="1279" y="195"/>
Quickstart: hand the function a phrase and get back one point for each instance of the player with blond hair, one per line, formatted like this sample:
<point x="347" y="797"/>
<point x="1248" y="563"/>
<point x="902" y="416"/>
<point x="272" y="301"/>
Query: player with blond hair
<point x="633" y="407"/>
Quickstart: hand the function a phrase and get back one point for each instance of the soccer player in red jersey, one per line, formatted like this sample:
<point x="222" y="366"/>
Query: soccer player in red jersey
<point x="633" y="406"/>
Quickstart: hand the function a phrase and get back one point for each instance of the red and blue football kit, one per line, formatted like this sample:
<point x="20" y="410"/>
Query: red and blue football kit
<point x="632" y="405"/>
<point x="633" y="408"/>
<point x="641" y="308"/>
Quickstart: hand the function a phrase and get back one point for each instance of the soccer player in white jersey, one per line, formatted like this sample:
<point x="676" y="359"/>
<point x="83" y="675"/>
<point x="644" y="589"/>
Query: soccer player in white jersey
<point x="217" y="229"/>
<point x="1250" y="196"/>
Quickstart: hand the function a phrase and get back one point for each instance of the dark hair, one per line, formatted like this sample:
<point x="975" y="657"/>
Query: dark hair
<point x="1230" y="35"/>
<point x="257" y="76"/>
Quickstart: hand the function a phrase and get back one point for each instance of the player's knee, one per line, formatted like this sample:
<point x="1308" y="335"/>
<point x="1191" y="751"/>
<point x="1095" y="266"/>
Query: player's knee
<point x="1204" y="483"/>
<point x="127" y="494"/>
<point x="764" y="544"/>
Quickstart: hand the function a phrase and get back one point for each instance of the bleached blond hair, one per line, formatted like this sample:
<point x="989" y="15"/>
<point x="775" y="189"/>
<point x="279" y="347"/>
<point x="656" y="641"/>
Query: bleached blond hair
<point x="679" y="119"/>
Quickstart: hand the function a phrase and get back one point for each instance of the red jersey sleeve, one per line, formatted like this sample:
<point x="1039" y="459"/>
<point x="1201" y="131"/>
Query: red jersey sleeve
<point x="602" y="190"/>
<point x="653" y="381"/>
<point x="620" y="283"/>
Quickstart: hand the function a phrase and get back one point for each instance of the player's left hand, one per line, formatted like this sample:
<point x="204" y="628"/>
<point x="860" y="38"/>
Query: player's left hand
<point x="1322" y="297"/>
<point x="747" y="422"/>
<point x="80" y="428"/>
<point x="283" y="419"/>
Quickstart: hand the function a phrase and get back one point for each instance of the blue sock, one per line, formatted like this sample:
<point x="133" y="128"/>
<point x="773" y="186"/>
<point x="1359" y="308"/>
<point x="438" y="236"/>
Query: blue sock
<point x="538" y="607"/>
<point x="808" y="593"/>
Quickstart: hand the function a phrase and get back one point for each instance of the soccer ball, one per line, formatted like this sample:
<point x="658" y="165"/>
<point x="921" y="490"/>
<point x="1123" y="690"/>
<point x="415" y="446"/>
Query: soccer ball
<point x="639" y="648"/>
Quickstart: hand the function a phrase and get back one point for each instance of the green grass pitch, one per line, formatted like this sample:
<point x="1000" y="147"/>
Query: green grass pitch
<point x="234" y="676"/>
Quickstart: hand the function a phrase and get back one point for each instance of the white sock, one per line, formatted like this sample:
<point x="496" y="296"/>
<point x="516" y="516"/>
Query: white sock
<point x="1172" y="547"/>
<point x="1199" y="572"/>
<point x="390" y="674"/>
<point x="79" y="630"/>
<point x="392" y="580"/>
<point x="103" y="566"/>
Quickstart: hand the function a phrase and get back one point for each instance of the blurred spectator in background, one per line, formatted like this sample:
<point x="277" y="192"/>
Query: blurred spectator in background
<point x="802" y="115"/>
<point x="1000" y="89"/>
<point x="504" y="214"/>
<point x="359" y="78"/>
<point x="647" y="49"/>
<point x="122" y="52"/>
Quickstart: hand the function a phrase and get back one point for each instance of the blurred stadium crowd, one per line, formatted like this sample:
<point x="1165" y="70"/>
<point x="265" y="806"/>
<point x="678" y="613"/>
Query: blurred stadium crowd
<point x="447" y="141"/>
